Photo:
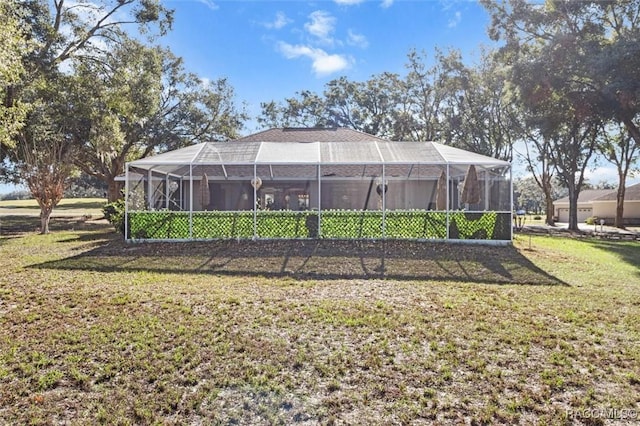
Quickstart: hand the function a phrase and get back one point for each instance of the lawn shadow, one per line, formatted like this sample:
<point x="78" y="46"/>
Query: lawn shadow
<point x="627" y="251"/>
<point x="13" y="226"/>
<point x="317" y="260"/>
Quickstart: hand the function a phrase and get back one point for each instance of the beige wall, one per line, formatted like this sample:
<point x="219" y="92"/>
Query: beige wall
<point x="632" y="209"/>
<point x="607" y="209"/>
<point x="604" y="209"/>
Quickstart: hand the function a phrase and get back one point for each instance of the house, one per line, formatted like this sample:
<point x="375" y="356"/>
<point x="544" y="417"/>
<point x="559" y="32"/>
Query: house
<point x="334" y="178"/>
<point x="601" y="203"/>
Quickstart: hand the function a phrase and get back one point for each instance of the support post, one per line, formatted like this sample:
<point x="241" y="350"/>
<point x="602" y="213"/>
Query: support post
<point x="487" y="184"/>
<point x="384" y="201"/>
<point x="448" y="201"/>
<point x="166" y="191"/>
<point x="511" y="201"/>
<point x="150" y="189"/>
<point x="255" y="202"/>
<point x="190" y="201"/>
<point x="319" y="201"/>
<point x="126" y="202"/>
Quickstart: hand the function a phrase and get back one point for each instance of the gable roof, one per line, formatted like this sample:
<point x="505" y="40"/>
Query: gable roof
<point x="309" y="134"/>
<point x="586" y="195"/>
<point x="631" y="193"/>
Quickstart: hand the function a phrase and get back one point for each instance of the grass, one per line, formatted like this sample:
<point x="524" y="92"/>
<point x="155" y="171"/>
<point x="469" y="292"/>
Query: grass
<point x="96" y="331"/>
<point x="91" y="207"/>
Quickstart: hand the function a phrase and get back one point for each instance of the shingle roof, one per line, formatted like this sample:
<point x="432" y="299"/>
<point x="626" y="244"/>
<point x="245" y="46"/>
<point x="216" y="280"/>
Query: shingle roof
<point x="631" y="193"/>
<point x="586" y="195"/>
<point x="300" y="134"/>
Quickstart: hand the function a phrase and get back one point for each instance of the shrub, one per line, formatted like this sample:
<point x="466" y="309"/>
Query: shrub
<point x="114" y="213"/>
<point x="537" y="217"/>
<point x="591" y="220"/>
<point x="412" y="224"/>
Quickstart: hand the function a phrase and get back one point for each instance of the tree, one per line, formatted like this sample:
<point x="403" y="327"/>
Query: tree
<point x="13" y="46"/>
<point x="537" y="158"/>
<point x="307" y="109"/>
<point x="85" y="28"/>
<point x="58" y="31"/>
<point x="43" y="156"/>
<point x="530" y="197"/>
<point x="571" y="151"/>
<point x="368" y="106"/>
<point x="139" y="100"/>
<point x="81" y="185"/>
<point x="586" y="53"/>
<point x="420" y="118"/>
<point x="619" y="148"/>
<point x="479" y="112"/>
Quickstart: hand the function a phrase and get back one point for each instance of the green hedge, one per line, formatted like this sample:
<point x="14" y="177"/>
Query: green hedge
<point x="399" y="224"/>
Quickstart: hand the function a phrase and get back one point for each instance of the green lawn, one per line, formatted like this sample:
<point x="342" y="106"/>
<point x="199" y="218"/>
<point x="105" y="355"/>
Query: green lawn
<point x="68" y="207"/>
<point x="96" y="331"/>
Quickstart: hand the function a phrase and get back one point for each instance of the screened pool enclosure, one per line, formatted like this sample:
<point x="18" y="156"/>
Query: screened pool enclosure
<point x="360" y="189"/>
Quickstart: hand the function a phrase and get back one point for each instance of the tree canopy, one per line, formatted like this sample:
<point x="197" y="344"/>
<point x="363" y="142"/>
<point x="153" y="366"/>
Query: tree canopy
<point x="13" y="47"/>
<point x="448" y="101"/>
<point x="577" y="68"/>
<point x="76" y="86"/>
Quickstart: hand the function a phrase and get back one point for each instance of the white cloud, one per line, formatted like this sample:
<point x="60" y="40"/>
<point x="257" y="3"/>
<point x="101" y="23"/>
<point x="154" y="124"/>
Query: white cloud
<point x="602" y="174"/>
<point x="280" y="21"/>
<point x="455" y="20"/>
<point x="386" y="3"/>
<point x="321" y="25"/>
<point x="355" y="39"/>
<point x="211" y="5"/>
<point x="323" y="63"/>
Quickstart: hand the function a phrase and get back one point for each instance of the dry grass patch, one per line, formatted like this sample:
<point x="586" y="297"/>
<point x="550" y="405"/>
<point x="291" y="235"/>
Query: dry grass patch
<point x="96" y="331"/>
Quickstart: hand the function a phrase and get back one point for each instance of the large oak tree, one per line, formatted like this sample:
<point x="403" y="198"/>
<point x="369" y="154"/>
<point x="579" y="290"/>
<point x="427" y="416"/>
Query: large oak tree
<point x="139" y="101"/>
<point x="585" y="54"/>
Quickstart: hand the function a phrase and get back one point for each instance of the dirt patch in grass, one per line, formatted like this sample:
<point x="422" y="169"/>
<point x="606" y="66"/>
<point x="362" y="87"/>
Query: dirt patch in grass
<point x="93" y="330"/>
<point x="317" y="259"/>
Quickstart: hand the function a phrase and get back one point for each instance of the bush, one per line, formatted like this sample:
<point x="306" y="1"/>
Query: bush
<point x="537" y="217"/>
<point x="21" y="194"/>
<point x="591" y="220"/>
<point x="411" y="224"/>
<point x="114" y="213"/>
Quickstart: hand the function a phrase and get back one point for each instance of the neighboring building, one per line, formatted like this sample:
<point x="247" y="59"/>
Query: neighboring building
<point x="601" y="203"/>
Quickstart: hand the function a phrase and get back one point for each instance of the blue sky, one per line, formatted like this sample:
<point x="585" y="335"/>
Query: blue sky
<point x="269" y="50"/>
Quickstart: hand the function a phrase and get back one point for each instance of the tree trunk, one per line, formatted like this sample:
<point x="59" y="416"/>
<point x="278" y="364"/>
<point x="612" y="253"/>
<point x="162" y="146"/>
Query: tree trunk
<point x="619" y="222"/>
<point x="573" y="208"/>
<point x="547" y="189"/>
<point x="549" y="220"/>
<point x="45" y="217"/>
<point x="113" y="190"/>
